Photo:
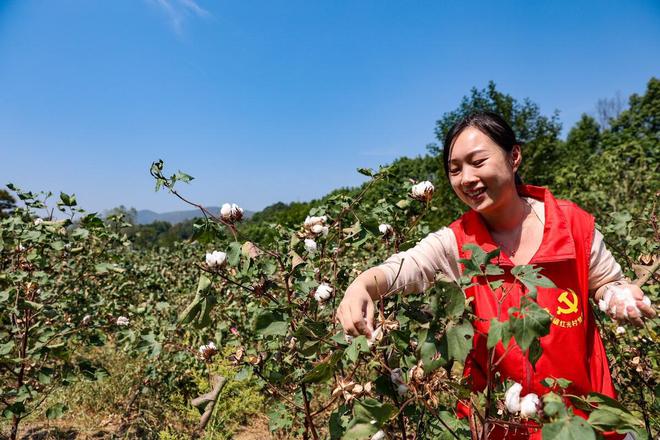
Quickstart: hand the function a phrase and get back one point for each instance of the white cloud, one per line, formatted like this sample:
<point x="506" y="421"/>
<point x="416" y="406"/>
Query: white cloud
<point x="178" y="11"/>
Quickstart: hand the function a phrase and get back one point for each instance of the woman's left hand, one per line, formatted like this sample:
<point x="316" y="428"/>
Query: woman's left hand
<point x="620" y="305"/>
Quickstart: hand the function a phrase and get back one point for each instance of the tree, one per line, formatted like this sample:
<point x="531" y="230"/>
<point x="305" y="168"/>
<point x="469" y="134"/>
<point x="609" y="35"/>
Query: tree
<point x="608" y="109"/>
<point x="130" y="214"/>
<point x="7" y="203"/>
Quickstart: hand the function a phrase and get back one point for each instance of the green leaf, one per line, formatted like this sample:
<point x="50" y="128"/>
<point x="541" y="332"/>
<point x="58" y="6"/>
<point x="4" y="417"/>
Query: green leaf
<point x="103" y="268"/>
<point x="324" y="370"/>
<point x="458" y="339"/>
<point x="269" y="323"/>
<point x="530" y="276"/>
<point x="56" y="411"/>
<point x="568" y="428"/>
<point x="455" y="302"/>
<point x="531" y="323"/>
<point x="366" y="171"/>
<point x="368" y="417"/>
<point x="553" y="405"/>
<point x="429" y="350"/>
<point x="358" y="345"/>
<point x="67" y="200"/>
<point x="499" y="331"/>
<point x="234" y="253"/>
<point x="6" y="348"/>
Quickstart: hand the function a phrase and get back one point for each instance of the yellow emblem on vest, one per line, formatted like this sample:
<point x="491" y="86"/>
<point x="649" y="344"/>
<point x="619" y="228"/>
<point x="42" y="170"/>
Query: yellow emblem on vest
<point x="571" y="304"/>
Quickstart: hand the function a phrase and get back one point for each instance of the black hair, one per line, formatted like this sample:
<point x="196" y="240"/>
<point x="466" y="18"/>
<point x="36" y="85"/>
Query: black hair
<point x="489" y="123"/>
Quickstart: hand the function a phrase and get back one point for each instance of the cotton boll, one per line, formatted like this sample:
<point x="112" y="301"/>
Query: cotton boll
<point x="512" y="398"/>
<point x="216" y="259"/>
<point x="620" y="330"/>
<point x="376" y="336"/>
<point x="310" y="245"/>
<point x="208" y="351"/>
<point x="323" y="292"/>
<point x="402" y="389"/>
<point x="124" y="321"/>
<point x="396" y="376"/>
<point x="231" y="212"/>
<point x="380" y="435"/>
<point x="423" y="191"/>
<point x="529" y="405"/>
<point x="385" y="229"/>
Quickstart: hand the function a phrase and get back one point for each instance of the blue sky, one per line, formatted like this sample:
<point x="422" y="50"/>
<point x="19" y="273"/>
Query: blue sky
<point x="282" y="100"/>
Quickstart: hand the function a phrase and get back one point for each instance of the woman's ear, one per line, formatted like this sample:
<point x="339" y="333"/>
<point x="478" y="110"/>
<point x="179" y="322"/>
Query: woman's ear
<point x="516" y="157"/>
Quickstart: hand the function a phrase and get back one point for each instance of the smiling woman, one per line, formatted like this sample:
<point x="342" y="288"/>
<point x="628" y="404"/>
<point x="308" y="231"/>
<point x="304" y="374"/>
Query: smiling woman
<point x="481" y="160"/>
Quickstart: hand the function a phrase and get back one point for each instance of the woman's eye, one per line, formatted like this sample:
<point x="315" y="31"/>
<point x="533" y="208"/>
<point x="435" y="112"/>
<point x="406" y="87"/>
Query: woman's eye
<point x="479" y="162"/>
<point x="454" y="171"/>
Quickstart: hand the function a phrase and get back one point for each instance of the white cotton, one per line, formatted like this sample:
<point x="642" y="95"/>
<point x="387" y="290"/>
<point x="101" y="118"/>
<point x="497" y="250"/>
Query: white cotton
<point x="423" y="191"/>
<point x="376" y="336"/>
<point x="122" y="320"/>
<point x="529" y="405"/>
<point x="310" y="245"/>
<point x="311" y="221"/>
<point x="396" y="376"/>
<point x="385" y="229"/>
<point x="38" y="221"/>
<point x="86" y="320"/>
<point x="323" y="292"/>
<point x="380" y="435"/>
<point x="512" y="398"/>
<point x="620" y="330"/>
<point x="216" y="258"/>
<point x="402" y="389"/>
<point x="231" y="212"/>
<point x="615" y="295"/>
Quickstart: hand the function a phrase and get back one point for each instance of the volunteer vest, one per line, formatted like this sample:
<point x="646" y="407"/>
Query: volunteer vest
<point x="573" y="349"/>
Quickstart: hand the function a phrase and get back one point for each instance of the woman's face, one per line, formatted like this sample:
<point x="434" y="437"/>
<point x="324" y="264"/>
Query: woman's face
<point x="481" y="173"/>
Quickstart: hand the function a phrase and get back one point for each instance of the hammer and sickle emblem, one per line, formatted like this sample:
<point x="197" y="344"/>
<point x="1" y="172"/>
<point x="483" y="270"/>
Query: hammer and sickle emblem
<point x="571" y="304"/>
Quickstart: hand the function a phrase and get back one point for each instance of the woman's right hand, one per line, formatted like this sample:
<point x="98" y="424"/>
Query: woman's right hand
<point x="356" y="311"/>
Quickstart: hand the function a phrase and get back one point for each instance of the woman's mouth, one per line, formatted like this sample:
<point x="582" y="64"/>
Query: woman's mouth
<point x="476" y="194"/>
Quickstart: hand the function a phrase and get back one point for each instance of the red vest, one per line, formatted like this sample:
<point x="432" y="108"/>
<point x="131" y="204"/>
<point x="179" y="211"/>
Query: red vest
<point x="573" y="349"/>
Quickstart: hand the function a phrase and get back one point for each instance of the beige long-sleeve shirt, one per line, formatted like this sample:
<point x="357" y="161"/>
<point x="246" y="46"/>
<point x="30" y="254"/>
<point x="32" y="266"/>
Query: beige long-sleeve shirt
<point x="436" y="257"/>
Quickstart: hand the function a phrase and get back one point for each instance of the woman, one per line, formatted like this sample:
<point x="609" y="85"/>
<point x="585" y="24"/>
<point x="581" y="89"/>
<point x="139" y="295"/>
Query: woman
<point x="481" y="159"/>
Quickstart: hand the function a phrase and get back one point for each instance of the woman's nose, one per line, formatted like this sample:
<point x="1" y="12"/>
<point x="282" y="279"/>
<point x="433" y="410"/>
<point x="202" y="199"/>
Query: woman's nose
<point x="468" y="177"/>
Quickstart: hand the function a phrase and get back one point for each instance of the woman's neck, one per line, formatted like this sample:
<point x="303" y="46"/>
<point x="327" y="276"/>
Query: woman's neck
<point x="507" y="217"/>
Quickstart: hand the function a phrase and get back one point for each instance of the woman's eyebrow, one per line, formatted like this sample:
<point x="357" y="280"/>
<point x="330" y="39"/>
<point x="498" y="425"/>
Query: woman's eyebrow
<point x="470" y="154"/>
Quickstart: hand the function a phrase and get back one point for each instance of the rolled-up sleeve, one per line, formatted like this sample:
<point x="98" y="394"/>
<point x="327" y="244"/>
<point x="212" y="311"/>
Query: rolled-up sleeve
<point x="603" y="269"/>
<point x="418" y="268"/>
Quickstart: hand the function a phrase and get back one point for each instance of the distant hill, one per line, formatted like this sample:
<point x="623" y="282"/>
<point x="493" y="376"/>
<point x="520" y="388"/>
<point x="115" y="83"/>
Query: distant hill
<point x="146" y="216"/>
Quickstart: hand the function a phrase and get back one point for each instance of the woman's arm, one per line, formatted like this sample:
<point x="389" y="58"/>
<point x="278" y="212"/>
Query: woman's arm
<point x="356" y="310"/>
<point x="409" y="271"/>
<point x="615" y="294"/>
